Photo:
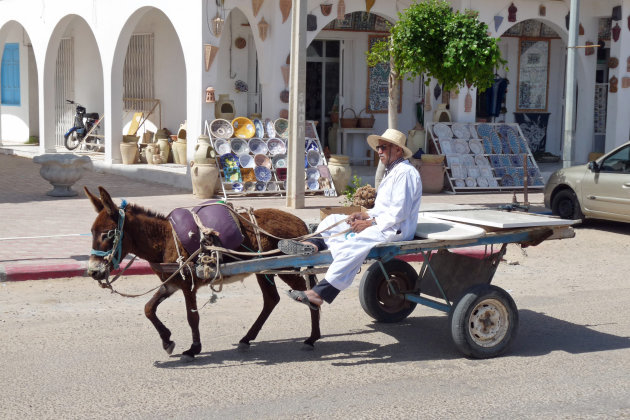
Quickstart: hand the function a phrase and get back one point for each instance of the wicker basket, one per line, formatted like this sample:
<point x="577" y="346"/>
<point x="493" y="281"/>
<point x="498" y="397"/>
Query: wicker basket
<point x="365" y="122"/>
<point x="349" y="122"/>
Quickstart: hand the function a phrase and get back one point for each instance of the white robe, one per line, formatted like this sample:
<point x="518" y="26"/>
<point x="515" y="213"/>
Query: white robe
<point x="396" y="213"/>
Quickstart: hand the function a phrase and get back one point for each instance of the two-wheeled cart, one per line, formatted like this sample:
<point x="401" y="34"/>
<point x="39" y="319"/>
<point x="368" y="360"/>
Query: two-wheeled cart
<point x="483" y="318"/>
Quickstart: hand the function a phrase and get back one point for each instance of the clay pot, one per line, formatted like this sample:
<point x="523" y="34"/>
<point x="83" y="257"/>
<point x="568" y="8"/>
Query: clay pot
<point x="339" y="167"/>
<point x="204" y="178"/>
<point x="179" y="152"/>
<point x="204" y="153"/>
<point x="129" y="153"/>
<point x="164" y="149"/>
<point x="152" y="150"/>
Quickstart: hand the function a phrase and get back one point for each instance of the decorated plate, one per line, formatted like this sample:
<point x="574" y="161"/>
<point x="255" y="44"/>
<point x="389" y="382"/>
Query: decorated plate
<point x="258" y="146"/>
<point x="482" y="182"/>
<point x="279" y="161"/>
<point x="461" y="147"/>
<point x="485" y="171"/>
<point x="312" y="174"/>
<point x="500" y="172"/>
<point x="248" y="175"/>
<point x="281" y="174"/>
<point x="243" y="128"/>
<point x="471" y="182"/>
<point x="468" y="160"/>
<point x="484" y="130"/>
<point x="276" y="146"/>
<point x="505" y="161"/>
<point x="515" y="145"/>
<point x="221" y="128"/>
<point x="228" y="160"/>
<point x="313" y="157"/>
<point x="258" y="126"/>
<point x="481" y="161"/>
<point x="517" y="160"/>
<point x="246" y="161"/>
<point x="312" y="185"/>
<point x="239" y="146"/>
<point x="495" y="161"/>
<point x="269" y="128"/>
<point x="262" y="160"/>
<point x="442" y="131"/>
<point x="273" y="186"/>
<point x="487" y="145"/>
<point x="492" y="182"/>
<point x="507" y="181"/>
<point x="249" y="186"/>
<point x="523" y="145"/>
<point x="505" y="145"/>
<point x="473" y="131"/>
<point x="281" y="126"/>
<point x="496" y="143"/>
<point x="474" y="172"/>
<point x="458" y="171"/>
<point x="461" y="131"/>
<point x="310" y="144"/>
<point x="262" y="173"/>
<point x="222" y="146"/>
<point x="460" y="183"/>
<point x="232" y="174"/>
<point x="237" y="187"/>
<point x="447" y="146"/>
<point x="476" y="147"/>
<point x="323" y="171"/>
<point x="453" y="160"/>
<point x="261" y="186"/>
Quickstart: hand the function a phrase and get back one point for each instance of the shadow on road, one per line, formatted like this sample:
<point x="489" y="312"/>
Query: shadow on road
<point x="416" y="339"/>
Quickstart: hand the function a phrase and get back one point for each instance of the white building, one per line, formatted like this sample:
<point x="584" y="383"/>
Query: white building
<point x="99" y="52"/>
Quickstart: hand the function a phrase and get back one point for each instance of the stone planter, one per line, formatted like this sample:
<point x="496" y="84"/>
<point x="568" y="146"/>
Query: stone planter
<point x="62" y="171"/>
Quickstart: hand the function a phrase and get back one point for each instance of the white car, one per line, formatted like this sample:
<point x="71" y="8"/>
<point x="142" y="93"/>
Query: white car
<point x="598" y="190"/>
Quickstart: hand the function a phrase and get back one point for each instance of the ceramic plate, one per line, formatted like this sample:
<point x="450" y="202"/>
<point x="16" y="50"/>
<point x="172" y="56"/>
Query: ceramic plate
<point x="461" y="147"/>
<point x="471" y="182"/>
<point x="312" y="174"/>
<point x="249" y="186"/>
<point x="505" y="161"/>
<point x="468" y="160"/>
<point x="279" y="161"/>
<point x="442" y="131"/>
<point x="492" y="182"/>
<point x="239" y="146"/>
<point x="482" y="182"/>
<point x="312" y="185"/>
<point x="248" y="175"/>
<point x="262" y="160"/>
<point x="246" y="161"/>
<point x="485" y="171"/>
<point x="497" y="147"/>
<point x="221" y="128"/>
<point x="310" y="144"/>
<point x="460" y="183"/>
<point x="258" y="126"/>
<point x="313" y="157"/>
<point x="232" y="174"/>
<point x="243" y="128"/>
<point x="499" y="172"/>
<point x="237" y="186"/>
<point x="281" y="126"/>
<point x="481" y="160"/>
<point x="517" y="160"/>
<point x="453" y="160"/>
<point x="487" y="145"/>
<point x="272" y="186"/>
<point x="507" y="181"/>
<point x="458" y="171"/>
<point x="484" y="130"/>
<point x="258" y="146"/>
<point x="473" y="172"/>
<point x="229" y="160"/>
<point x="261" y="186"/>
<point x="276" y="147"/>
<point x="461" y="131"/>
<point x="281" y="174"/>
<point x="473" y="131"/>
<point x="324" y="171"/>
<point x="262" y="173"/>
<point x="222" y="146"/>
<point x="447" y="146"/>
<point x="269" y="128"/>
<point x="476" y="147"/>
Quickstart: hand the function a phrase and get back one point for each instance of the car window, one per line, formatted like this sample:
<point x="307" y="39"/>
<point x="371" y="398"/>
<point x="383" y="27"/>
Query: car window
<point x="617" y="162"/>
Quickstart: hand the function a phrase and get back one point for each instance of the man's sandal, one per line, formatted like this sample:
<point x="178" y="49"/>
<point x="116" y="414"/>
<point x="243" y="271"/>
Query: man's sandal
<point x="299" y="296"/>
<point x="293" y="247"/>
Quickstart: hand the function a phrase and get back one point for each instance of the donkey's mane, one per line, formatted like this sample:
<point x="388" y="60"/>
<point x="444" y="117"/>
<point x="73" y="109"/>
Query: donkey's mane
<point x="137" y="210"/>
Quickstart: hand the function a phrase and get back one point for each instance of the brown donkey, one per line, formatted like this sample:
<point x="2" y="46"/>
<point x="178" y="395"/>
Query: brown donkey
<point x="149" y="236"/>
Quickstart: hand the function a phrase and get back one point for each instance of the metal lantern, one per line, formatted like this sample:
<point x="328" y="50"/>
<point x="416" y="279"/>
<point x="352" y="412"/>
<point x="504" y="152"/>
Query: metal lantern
<point x="512" y="13"/>
<point x="210" y="95"/>
<point x="263" y="28"/>
<point x="217" y="25"/>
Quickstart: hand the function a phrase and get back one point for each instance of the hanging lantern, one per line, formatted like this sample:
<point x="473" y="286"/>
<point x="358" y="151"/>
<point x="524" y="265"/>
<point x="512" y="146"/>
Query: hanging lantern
<point x="217" y="25"/>
<point x="512" y="13"/>
<point x="210" y="95"/>
<point x="256" y="4"/>
<point x="285" y="9"/>
<point x="616" y="13"/>
<point x="341" y="9"/>
<point x="437" y="91"/>
<point x="581" y="30"/>
<point x="498" y="19"/>
<point x="369" y="4"/>
<point x="263" y="28"/>
<point x="616" y="31"/>
<point x="542" y="10"/>
<point x="210" y="52"/>
<point x="613" y="84"/>
<point x="326" y="8"/>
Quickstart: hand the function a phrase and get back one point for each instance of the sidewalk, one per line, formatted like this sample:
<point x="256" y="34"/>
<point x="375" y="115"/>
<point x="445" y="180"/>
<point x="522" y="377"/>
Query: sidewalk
<point x="47" y="237"/>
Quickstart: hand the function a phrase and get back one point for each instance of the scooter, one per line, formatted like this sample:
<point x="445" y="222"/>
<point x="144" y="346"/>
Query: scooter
<point x="83" y="124"/>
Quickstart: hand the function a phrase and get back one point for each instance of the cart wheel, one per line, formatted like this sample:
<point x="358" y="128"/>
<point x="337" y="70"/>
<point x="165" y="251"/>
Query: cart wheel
<point x="377" y="299"/>
<point x="484" y="321"/>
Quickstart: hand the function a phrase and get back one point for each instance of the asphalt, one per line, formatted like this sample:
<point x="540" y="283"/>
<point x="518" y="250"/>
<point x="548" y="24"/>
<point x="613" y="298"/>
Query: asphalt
<point x="43" y="237"/>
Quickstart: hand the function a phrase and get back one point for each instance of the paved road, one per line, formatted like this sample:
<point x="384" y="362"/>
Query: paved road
<point x="72" y="350"/>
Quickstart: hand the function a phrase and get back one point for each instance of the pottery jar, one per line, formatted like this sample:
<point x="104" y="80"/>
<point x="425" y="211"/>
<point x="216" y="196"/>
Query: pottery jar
<point x="179" y="152"/>
<point x="151" y="150"/>
<point x="129" y="153"/>
<point x="205" y="177"/>
<point x="204" y="153"/>
<point x="339" y="167"/>
<point x="164" y="149"/>
<point x="224" y="107"/>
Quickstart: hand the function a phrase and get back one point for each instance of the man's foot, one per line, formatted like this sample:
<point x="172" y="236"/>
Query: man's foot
<point x="309" y="298"/>
<point x="293" y="247"/>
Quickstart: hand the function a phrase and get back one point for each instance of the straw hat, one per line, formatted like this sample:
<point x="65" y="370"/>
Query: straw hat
<point x="392" y="136"/>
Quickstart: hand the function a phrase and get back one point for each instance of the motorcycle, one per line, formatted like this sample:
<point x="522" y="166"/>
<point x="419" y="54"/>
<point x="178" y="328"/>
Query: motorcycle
<point x="83" y="124"/>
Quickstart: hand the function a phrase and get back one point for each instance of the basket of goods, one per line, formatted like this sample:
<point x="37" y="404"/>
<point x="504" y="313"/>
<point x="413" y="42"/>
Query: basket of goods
<point x="366" y="122"/>
<point x="349" y="122"/>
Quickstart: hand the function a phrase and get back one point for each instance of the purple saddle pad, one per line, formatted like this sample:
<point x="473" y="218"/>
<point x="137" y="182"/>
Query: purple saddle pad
<point x="215" y="217"/>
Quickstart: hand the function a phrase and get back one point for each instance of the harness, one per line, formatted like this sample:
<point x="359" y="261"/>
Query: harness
<point x="114" y="254"/>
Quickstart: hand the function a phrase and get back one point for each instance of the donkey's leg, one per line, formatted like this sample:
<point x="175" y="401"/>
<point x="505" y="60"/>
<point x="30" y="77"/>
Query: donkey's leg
<point x="296" y="282"/>
<point x="270" y="300"/>
<point x="150" y="310"/>
<point x="193" y="322"/>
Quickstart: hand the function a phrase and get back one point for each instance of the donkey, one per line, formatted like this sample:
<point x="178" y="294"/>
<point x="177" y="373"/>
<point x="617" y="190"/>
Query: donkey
<point x="149" y="236"/>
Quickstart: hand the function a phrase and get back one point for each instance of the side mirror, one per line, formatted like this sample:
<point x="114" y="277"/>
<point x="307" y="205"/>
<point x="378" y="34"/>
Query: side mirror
<point x="593" y="166"/>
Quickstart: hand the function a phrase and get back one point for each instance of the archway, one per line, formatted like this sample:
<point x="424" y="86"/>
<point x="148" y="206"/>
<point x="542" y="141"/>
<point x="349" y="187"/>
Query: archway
<point x="19" y="107"/>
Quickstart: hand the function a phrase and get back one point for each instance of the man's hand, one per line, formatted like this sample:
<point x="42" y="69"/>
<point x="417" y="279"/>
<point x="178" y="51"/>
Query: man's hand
<point x="357" y="216"/>
<point x="360" y="225"/>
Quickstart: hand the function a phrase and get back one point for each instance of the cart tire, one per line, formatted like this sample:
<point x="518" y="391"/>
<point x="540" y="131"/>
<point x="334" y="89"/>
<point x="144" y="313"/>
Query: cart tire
<point x="375" y="296"/>
<point x="72" y="141"/>
<point x="484" y="321"/>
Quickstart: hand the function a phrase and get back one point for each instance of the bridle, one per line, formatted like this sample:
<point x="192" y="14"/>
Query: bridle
<point x="113" y="256"/>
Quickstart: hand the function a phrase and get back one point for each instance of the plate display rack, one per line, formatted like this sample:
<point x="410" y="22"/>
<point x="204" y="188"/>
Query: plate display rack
<point x="485" y="156"/>
<point x="262" y="172"/>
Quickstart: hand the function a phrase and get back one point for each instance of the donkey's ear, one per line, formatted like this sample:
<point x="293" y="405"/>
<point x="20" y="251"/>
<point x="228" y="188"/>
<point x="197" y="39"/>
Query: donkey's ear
<point x="96" y="202"/>
<point x="108" y="203"/>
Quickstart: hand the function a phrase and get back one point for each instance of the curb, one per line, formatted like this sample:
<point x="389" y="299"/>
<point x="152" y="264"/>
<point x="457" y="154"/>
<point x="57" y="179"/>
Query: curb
<point x="24" y="272"/>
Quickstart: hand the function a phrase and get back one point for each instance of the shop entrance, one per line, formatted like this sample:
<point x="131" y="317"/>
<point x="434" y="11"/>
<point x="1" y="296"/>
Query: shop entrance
<point x="322" y="83"/>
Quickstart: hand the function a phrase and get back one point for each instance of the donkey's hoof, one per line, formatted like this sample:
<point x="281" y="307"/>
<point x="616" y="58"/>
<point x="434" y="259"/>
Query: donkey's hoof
<point x="308" y="347"/>
<point x="187" y="358"/>
<point x="243" y="346"/>
<point x="169" y="347"/>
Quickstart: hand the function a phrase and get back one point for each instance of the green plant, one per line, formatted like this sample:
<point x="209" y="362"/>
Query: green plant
<point x="430" y="38"/>
<point x="32" y="140"/>
<point x="350" y="190"/>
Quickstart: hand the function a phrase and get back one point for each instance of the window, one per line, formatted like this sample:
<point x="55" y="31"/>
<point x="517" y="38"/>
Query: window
<point x="617" y="162"/>
<point x="10" y="81"/>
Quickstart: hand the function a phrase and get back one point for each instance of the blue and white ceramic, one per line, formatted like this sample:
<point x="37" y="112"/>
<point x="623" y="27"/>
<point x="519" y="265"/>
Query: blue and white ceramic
<point x="484" y="130"/>
<point x="260" y="130"/>
<point x="237" y="186"/>
<point x="312" y="174"/>
<point x="258" y="146"/>
<point x="262" y="173"/>
<point x="270" y="129"/>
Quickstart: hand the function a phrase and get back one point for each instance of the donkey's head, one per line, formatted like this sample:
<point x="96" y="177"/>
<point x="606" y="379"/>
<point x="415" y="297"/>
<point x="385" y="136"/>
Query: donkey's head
<point x="107" y="235"/>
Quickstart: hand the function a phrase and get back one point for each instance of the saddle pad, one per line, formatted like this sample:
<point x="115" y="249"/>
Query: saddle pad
<point x="215" y="217"/>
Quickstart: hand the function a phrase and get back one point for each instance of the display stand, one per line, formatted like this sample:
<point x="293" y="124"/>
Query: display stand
<point x="485" y="156"/>
<point x="238" y="181"/>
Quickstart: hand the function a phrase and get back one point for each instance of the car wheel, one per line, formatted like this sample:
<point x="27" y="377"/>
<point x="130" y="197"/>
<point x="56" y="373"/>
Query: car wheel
<point x="566" y="205"/>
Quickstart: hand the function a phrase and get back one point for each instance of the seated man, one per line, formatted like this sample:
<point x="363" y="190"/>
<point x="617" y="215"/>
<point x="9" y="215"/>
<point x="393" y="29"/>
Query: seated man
<point x="393" y="218"/>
